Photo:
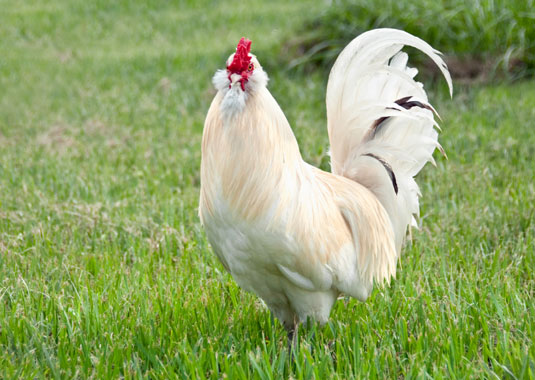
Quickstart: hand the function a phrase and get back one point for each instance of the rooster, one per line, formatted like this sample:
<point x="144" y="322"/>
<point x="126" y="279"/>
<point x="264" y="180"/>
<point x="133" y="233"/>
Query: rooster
<point x="295" y="235"/>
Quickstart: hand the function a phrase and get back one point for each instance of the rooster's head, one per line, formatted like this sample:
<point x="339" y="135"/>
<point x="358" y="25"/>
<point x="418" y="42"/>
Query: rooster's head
<point x="243" y="67"/>
<point x="242" y="78"/>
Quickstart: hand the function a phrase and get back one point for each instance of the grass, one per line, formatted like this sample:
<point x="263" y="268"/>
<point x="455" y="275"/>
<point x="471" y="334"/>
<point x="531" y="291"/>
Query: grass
<point x="481" y="37"/>
<point x="105" y="271"/>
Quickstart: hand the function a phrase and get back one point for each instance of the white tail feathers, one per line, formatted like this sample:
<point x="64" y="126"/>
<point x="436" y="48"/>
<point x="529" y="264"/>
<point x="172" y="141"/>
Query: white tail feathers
<point x="381" y="126"/>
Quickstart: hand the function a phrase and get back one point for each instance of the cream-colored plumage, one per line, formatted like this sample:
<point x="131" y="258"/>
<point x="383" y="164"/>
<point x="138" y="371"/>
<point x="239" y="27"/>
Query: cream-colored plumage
<point x="289" y="232"/>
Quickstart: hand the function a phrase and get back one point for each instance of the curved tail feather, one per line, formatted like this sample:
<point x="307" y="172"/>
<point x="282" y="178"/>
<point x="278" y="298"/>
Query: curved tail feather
<point x="381" y="126"/>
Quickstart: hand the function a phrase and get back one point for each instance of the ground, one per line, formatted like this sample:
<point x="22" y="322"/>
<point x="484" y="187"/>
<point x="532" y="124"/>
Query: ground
<point x="104" y="268"/>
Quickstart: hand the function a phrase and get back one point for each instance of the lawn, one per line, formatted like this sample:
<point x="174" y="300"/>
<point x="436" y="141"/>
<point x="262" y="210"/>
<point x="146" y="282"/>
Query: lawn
<point x="105" y="271"/>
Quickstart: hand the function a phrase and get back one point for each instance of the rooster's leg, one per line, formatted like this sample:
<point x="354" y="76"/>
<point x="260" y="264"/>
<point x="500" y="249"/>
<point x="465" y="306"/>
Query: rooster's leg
<point x="292" y="339"/>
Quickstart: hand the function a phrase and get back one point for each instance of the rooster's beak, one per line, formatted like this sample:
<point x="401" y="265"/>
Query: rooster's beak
<point x="234" y="78"/>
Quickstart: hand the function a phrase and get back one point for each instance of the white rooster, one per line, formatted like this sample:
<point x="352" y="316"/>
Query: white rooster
<point x="293" y="234"/>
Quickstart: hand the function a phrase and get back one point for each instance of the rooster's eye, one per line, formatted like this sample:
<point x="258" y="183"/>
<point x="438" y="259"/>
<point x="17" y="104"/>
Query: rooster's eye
<point x="251" y="67"/>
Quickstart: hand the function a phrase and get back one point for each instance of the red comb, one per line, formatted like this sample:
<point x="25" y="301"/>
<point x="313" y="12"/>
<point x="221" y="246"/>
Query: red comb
<point x="241" y="58"/>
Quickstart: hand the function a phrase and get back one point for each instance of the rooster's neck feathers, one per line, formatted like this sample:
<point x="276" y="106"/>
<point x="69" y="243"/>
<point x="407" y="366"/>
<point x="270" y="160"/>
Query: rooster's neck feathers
<point x="247" y="152"/>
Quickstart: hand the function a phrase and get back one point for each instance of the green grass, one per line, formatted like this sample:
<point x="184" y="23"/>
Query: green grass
<point x="495" y="36"/>
<point x="105" y="271"/>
